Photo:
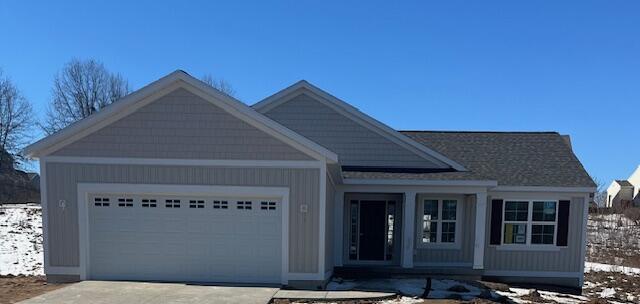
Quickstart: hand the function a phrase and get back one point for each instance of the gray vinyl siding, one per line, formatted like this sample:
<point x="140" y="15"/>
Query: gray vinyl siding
<point x="62" y="180"/>
<point x="182" y="125"/>
<point x="329" y="229"/>
<point x="457" y="257"/>
<point x="354" y="144"/>
<point x="566" y="259"/>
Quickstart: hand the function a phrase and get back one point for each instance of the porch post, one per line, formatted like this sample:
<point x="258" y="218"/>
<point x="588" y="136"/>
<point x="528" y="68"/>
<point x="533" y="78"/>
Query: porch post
<point x="481" y="224"/>
<point x="408" y="229"/>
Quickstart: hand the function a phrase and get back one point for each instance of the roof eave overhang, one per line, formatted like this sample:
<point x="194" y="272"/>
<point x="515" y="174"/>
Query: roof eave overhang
<point x="178" y="78"/>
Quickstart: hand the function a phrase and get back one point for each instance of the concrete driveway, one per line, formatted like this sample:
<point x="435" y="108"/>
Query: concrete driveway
<point x="98" y="292"/>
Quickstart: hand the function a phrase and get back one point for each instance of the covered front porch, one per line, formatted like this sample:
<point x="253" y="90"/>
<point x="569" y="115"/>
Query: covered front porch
<point x="435" y="227"/>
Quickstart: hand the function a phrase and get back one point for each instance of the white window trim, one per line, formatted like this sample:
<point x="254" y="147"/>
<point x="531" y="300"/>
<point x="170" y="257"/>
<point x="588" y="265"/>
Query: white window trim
<point x="528" y="245"/>
<point x="420" y="222"/>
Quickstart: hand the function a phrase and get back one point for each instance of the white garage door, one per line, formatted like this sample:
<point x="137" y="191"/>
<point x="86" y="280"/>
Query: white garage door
<point x="182" y="238"/>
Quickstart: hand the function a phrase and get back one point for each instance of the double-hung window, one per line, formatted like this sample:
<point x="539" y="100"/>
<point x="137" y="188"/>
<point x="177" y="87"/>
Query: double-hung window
<point x="439" y="221"/>
<point x="530" y="222"/>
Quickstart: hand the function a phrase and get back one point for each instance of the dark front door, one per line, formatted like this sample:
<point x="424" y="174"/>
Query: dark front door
<point x="372" y="230"/>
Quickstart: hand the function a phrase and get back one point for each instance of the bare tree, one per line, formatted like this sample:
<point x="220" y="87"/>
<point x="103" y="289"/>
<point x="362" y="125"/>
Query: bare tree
<point x="79" y="90"/>
<point x="220" y="84"/>
<point x="16" y="122"/>
<point x="600" y="196"/>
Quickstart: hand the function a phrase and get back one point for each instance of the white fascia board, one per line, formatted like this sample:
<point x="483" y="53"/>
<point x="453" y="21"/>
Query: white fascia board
<point x="420" y="182"/>
<point x="356" y="115"/>
<point x="543" y="189"/>
<point x="163" y="86"/>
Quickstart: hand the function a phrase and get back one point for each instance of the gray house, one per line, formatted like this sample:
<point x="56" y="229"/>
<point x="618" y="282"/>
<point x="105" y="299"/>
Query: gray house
<point x="179" y="182"/>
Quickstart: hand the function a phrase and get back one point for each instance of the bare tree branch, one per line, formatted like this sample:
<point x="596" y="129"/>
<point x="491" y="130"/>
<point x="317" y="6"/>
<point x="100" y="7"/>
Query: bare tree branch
<point x="219" y="84"/>
<point x="79" y="90"/>
<point x="16" y="121"/>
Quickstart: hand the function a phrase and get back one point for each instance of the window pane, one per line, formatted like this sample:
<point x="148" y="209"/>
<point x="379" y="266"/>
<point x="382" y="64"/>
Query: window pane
<point x="542" y="234"/>
<point x="391" y="211"/>
<point x="430" y="210"/>
<point x="448" y="232"/>
<point x="353" y="240"/>
<point x="429" y="232"/>
<point x="516" y="211"/>
<point x="449" y="209"/>
<point x="544" y="211"/>
<point x="515" y="233"/>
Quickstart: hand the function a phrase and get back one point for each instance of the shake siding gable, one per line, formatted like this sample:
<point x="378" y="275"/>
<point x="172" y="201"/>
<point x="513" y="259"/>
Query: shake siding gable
<point x="355" y="144"/>
<point x="182" y="125"/>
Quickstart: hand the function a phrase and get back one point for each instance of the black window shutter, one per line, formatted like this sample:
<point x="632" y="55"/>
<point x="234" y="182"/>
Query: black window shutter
<point x="563" y="223"/>
<point x="496" y="221"/>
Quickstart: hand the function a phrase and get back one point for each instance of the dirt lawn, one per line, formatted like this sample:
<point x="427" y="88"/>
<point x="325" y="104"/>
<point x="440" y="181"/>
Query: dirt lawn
<point x="17" y="288"/>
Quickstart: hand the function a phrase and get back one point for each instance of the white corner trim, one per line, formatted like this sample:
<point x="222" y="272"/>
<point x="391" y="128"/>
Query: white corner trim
<point x="45" y="215"/>
<point x="583" y="249"/>
<point x="84" y="189"/>
<point x="338" y="224"/>
<point x="418" y="182"/>
<point x="186" y="162"/>
<point x="480" y="230"/>
<point x="543" y="189"/>
<point x="357" y="116"/>
<point x="322" y="220"/>
<point x="539" y="274"/>
<point x="163" y="86"/>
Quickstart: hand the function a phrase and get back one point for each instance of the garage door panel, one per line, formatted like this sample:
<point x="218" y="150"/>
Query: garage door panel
<point x="175" y="223"/>
<point x="184" y="244"/>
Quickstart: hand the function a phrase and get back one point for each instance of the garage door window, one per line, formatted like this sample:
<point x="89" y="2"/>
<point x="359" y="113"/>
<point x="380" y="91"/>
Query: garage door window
<point x="268" y="205"/>
<point x="149" y="203"/>
<point x="101" y="202"/>
<point x="125" y="202"/>
<point x="220" y="205"/>
<point x="244" y="205"/>
<point x="175" y="203"/>
<point x="196" y="204"/>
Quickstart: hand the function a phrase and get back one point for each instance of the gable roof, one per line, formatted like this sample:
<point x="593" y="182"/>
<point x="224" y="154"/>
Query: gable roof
<point x="510" y="158"/>
<point x="160" y="87"/>
<point x="357" y="116"/>
<point x="624" y="183"/>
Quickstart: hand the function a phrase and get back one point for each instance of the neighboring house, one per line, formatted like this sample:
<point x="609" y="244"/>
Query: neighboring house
<point x="624" y="193"/>
<point x="34" y="180"/>
<point x="179" y="182"/>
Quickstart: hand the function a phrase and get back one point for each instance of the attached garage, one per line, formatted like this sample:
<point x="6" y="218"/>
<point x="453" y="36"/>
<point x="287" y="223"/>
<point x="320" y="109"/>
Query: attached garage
<point x="196" y="234"/>
<point x="179" y="182"/>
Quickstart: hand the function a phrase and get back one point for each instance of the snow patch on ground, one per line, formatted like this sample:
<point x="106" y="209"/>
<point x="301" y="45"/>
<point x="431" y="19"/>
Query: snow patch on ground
<point x="403" y="300"/>
<point x="21" y="240"/>
<point x="588" y="267"/>
<point x="607" y="293"/>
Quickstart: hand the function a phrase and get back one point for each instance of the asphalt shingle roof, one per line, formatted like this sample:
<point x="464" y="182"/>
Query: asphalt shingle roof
<point x="623" y="182"/>
<point x="511" y="158"/>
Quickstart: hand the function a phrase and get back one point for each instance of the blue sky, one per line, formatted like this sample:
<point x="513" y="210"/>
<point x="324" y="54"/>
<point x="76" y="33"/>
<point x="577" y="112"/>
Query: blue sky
<point x="566" y="66"/>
